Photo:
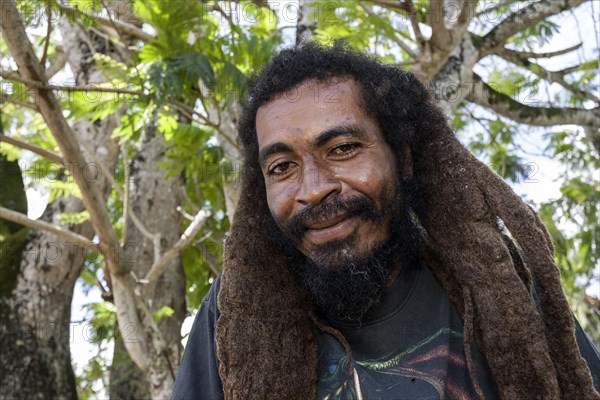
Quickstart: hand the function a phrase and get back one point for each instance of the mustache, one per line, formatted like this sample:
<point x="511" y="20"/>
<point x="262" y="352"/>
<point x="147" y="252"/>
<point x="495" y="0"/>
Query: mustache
<point x="356" y="206"/>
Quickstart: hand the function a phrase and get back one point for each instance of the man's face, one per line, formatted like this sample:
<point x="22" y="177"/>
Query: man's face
<point x="330" y="177"/>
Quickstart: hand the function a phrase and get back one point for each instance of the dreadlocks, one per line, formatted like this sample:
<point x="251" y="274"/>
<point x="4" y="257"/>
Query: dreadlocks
<point x="483" y="243"/>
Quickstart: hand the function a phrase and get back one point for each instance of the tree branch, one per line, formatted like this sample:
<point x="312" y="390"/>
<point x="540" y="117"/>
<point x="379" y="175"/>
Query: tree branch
<point x="305" y="27"/>
<point x="592" y="301"/>
<point x="495" y="6"/>
<point x="121" y="26"/>
<point x="125" y="197"/>
<point x="41" y="85"/>
<point x="403" y="5"/>
<point x="30" y="70"/>
<point x="404" y="46"/>
<point x="163" y="263"/>
<point x="66" y="234"/>
<point x="48" y="31"/>
<point x="445" y="41"/>
<point x="154" y="238"/>
<point x="529" y="54"/>
<point x="206" y="119"/>
<point x="35" y="149"/>
<point x="397" y="38"/>
<point x="446" y="38"/>
<point x="126" y="53"/>
<point x="593" y="64"/>
<point x="29" y="106"/>
<point x="521" y="19"/>
<point x="467" y="13"/>
<point x="409" y="9"/>
<point x="59" y="62"/>
<point x="551" y="76"/>
<point x="484" y="95"/>
<point x="435" y="19"/>
<point x="414" y="21"/>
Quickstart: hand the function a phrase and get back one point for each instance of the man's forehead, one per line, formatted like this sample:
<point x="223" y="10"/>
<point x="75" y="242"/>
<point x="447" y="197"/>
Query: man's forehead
<point x="310" y="107"/>
<point x="319" y="91"/>
<point x="312" y="95"/>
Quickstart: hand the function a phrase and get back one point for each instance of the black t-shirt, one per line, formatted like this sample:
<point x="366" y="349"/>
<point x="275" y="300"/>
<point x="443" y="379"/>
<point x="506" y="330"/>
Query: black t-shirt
<point x="410" y="346"/>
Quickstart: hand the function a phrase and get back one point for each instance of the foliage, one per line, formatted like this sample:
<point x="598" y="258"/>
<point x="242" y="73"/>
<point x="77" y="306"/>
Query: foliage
<point x="577" y="211"/>
<point x="99" y="330"/>
<point x="93" y="378"/>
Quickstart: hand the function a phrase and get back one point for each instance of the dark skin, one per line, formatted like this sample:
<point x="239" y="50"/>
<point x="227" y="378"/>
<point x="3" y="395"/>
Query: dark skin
<point x="316" y="142"/>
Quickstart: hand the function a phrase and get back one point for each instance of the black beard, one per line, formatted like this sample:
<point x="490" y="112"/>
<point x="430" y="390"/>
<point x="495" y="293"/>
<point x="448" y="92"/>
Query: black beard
<point x="350" y="286"/>
<point x="347" y="293"/>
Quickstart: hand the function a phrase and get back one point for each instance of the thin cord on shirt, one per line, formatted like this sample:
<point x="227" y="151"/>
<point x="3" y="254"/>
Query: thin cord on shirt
<point x="336" y="334"/>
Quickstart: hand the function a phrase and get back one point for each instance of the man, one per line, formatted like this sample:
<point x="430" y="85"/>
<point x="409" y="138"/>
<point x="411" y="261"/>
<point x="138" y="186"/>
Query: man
<point x="373" y="257"/>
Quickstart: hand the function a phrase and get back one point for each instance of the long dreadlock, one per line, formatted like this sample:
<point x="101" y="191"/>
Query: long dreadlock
<point x="266" y="334"/>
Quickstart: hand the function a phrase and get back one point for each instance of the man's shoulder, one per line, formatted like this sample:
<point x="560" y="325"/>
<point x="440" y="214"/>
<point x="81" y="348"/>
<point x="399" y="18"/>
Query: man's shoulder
<point x="198" y="376"/>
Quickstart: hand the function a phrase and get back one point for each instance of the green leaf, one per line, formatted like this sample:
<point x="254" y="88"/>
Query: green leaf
<point x="60" y="188"/>
<point x="194" y="66"/>
<point x="164" y="312"/>
<point x="74" y="218"/>
<point x="167" y="123"/>
<point x="104" y="319"/>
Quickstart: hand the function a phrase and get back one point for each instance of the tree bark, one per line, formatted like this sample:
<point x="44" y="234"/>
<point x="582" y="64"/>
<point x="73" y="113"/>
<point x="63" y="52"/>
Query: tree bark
<point x="306" y="22"/>
<point x="231" y="183"/>
<point x="154" y="200"/>
<point x="126" y="380"/>
<point x="450" y="83"/>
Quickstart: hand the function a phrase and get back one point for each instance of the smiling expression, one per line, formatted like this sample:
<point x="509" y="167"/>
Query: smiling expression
<point x="320" y="153"/>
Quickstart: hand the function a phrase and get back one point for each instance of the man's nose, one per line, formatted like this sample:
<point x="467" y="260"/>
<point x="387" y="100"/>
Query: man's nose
<point x="316" y="184"/>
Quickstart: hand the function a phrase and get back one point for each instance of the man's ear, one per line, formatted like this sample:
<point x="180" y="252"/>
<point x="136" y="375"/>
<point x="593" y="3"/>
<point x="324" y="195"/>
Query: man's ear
<point x="407" y="163"/>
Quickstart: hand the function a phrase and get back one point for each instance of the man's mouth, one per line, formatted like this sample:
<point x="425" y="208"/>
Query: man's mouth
<point x="324" y="231"/>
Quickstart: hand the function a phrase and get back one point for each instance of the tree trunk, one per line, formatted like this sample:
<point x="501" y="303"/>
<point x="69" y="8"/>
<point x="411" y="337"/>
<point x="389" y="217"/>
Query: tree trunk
<point x="154" y="200"/>
<point x="453" y="82"/>
<point x="35" y="361"/>
<point x="231" y="183"/>
<point x="126" y="381"/>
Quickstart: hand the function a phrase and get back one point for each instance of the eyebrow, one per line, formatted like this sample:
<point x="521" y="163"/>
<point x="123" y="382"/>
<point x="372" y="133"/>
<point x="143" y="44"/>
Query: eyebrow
<point x="271" y="149"/>
<point x="354" y="131"/>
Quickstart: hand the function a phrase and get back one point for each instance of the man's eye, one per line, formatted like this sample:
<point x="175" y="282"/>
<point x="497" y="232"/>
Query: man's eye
<point x="280" y="168"/>
<point x="344" y="149"/>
